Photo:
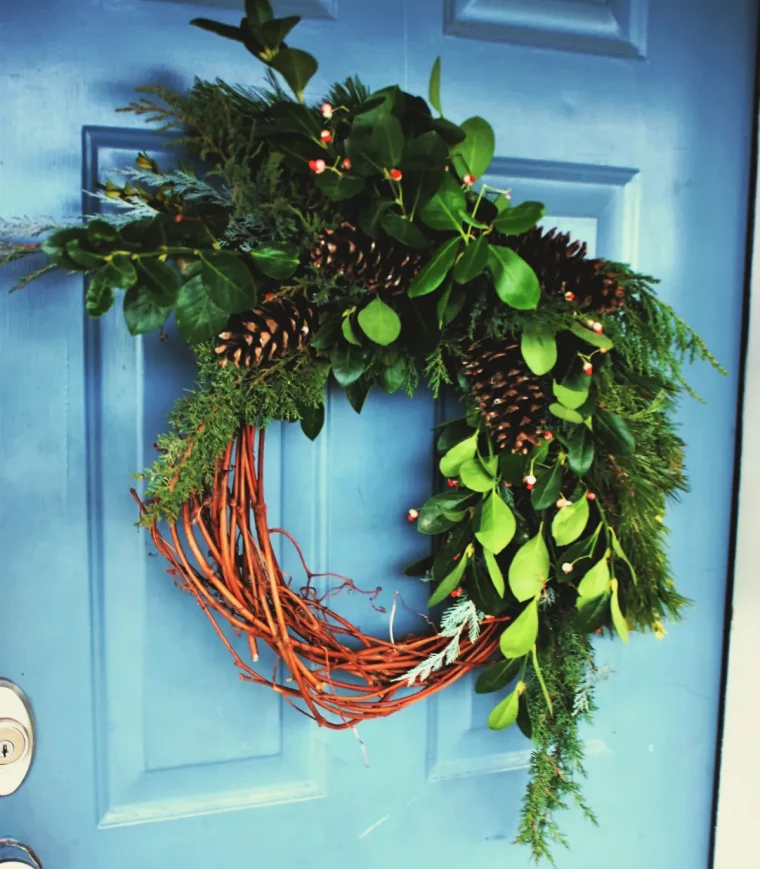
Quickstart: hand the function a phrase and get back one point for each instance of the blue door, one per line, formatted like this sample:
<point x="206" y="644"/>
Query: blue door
<point x="632" y="121"/>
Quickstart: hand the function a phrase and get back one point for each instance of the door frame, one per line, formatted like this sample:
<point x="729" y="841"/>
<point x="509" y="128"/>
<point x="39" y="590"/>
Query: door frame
<point x="737" y="797"/>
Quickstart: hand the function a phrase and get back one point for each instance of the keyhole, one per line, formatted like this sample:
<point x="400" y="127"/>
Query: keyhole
<point x="5" y="750"/>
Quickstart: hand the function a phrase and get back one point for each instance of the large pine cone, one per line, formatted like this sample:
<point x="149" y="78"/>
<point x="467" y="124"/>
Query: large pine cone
<point x="383" y="266"/>
<point x="562" y="267"/>
<point x="269" y="331"/>
<point x="511" y="397"/>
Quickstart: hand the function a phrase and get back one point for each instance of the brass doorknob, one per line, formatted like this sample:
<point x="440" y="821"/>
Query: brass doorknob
<point x="16" y="855"/>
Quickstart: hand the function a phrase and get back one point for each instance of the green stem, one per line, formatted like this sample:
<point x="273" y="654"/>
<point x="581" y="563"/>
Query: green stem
<point x="541" y="682"/>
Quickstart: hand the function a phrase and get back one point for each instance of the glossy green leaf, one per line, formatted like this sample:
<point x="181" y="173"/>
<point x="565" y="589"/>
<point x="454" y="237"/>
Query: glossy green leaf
<point x="228" y="282"/>
<point x="592" y="612"/>
<point x="454" y="545"/>
<point x="618" y="619"/>
<point x="504" y="714"/>
<point x="620" y="552"/>
<point x="402" y="229"/>
<point x="539" y="349"/>
<point x="296" y="67"/>
<point x="420" y="568"/>
<point x="496" y="528"/>
<point x="529" y="569"/>
<point x="614" y="433"/>
<point x="520" y="218"/>
<point x="450" y="303"/>
<point x="272" y="33"/>
<point x="346" y="327"/>
<point x="450" y="582"/>
<point x="379" y="322"/>
<point x="54" y="246"/>
<point x="433" y="273"/>
<point x="591" y="337"/>
<point x="312" y="420"/>
<point x="520" y="637"/>
<point x="442" y="210"/>
<point x="515" y="281"/>
<point x="475" y="477"/>
<point x="141" y="312"/>
<point x="219" y="28"/>
<point x="99" y="297"/>
<point x="512" y="467"/>
<point x="101" y="231"/>
<point x="548" y="487"/>
<point x="394" y="376"/>
<point x="596" y="581"/>
<point x="494" y="572"/>
<point x="357" y="392"/>
<point x="523" y="718"/>
<point x="497" y="676"/>
<point x="198" y="317"/>
<point x="572" y="398"/>
<point x="581" y="450"/>
<point x="339" y="186"/>
<point x="473" y="261"/>
<point x="562" y="412"/>
<point x="162" y="281"/>
<point x="457" y="455"/>
<point x="120" y="272"/>
<point x="434" y="88"/>
<point x="348" y="364"/>
<point x="85" y="259"/>
<point x="570" y="521"/>
<point x="473" y="156"/>
<point x="278" y="260"/>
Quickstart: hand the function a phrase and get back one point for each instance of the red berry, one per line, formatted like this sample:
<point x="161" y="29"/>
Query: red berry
<point x="268" y="296"/>
<point x="590" y="496"/>
<point x="178" y="218"/>
<point x="602" y="350"/>
<point x="326" y="136"/>
<point x="326" y="110"/>
<point x="347" y="164"/>
<point x="548" y="435"/>
<point x="396" y="174"/>
<point x="458" y="592"/>
<point x="317" y="166"/>
<point x="452" y="484"/>
<point x="412" y="515"/>
<point x="588" y="369"/>
<point x="598" y="328"/>
<point x="469" y="180"/>
<point x="530" y="481"/>
<point x="570" y="296"/>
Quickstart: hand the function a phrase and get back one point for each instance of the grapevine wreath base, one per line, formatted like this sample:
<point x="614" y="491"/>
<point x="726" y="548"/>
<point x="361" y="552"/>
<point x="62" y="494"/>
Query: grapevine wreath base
<point x="221" y="548"/>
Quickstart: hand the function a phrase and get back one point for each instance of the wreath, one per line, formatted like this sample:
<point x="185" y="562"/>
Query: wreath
<point x="357" y="241"/>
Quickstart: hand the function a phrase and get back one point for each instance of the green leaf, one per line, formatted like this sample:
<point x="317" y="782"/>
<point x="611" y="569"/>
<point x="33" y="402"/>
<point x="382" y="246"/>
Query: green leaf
<point x="475" y="477"/>
<point x="592" y="612"/>
<point x="547" y="488"/>
<point x="591" y="337"/>
<point x="572" y="398"/>
<point x="377" y="137"/>
<point x="614" y="433"/>
<point x="312" y="420"/>
<point x="433" y="273"/>
<point x="452" y="549"/>
<point x="495" y="529"/>
<point x="618" y="619"/>
<point x="497" y="676"/>
<point x="450" y="582"/>
<point x="512" y="467"/>
<point x="539" y="349"/>
<point x="457" y="455"/>
<point x="379" y="322"/>
<point x="358" y="391"/>
<point x="347" y="329"/>
<point x="596" y="581"/>
<point x="402" y="229"/>
<point x="348" y="364"/>
<point x="450" y="304"/>
<point x="162" y="281"/>
<point x="523" y="719"/>
<point x="442" y="210"/>
<point x="449" y="132"/>
<point x="141" y="312"/>
<point x="101" y="231"/>
<point x="394" y="376"/>
<point x="515" y="281"/>
<point x="569" y="522"/>
<point x="581" y="450"/>
<point x="372" y="215"/>
<point x="198" y="317"/>
<point x="339" y="186"/>
<point x="99" y="297"/>
<point x="228" y="282"/>
<point x="520" y="637"/>
<point x="521" y="218"/>
<point x="54" y="246"/>
<point x="620" y="552"/>
<point x="296" y="67"/>
<point x="473" y="261"/>
<point x="84" y="258"/>
<point x="434" y="88"/>
<point x="121" y="273"/>
<point x="278" y="260"/>
<point x="504" y="714"/>
<point x="529" y="569"/>
<point x="220" y="29"/>
<point x="272" y="33"/>
<point x="474" y="155"/>
<point x="565" y="413"/>
<point x="494" y="571"/>
<point x="421" y="567"/>
<point x="258" y="12"/>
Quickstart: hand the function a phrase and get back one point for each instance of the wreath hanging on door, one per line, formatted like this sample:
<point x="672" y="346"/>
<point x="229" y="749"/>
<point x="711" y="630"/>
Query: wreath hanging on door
<point x="355" y="240"/>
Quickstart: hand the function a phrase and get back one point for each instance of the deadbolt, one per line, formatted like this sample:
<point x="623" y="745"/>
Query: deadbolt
<point x="16" y="738"/>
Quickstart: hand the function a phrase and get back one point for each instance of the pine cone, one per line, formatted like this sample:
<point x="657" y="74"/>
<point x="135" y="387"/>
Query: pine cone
<point x="381" y="266"/>
<point x="510" y="396"/>
<point x="269" y="331"/>
<point x="562" y="267"/>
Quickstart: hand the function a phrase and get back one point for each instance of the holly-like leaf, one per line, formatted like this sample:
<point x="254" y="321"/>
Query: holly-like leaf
<point x="618" y="619"/>
<point x="99" y="297"/>
<point x="450" y="582"/>
<point x="379" y="322"/>
<point x="296" y="67"/>
<point x="198" y="317"/>
<point x="473" y="156"/>
<point x="494" y="571"/>
<point x="457" y="455"/>
<point x="434" y="88"/>
<point x="497" y="676"/>
<point x="496" y="527"/>
<point x="596" y="581"/>
<point x="348" y="364"/>
<point x="339" y="186"/>
<point x="520" y="637"/>
<point x="504" y="714"/>
<point x="228" y="282"/>
<point x="433" y="273"/>
<point x="569" y="522"/>
<point x="591" y="337"/>
<point x="539" y="349"/>
<point x="475" y="477"/>
<point x="141" y="312"/>
<point x="162" y="281"/>
<point x="473" y="261"/>
<point x="278" y="260"/>
<point x="580" y="450"/>
<point x="312" y="420"/>
<point x="572" y="398"/>
<point x="547" y="488"/>
<point x="562" y="412"/>
<point x="529" y="569"/>
<point x="520" y="218"/>
<point x="442" y="210"/>
<point x="515" y="281"/>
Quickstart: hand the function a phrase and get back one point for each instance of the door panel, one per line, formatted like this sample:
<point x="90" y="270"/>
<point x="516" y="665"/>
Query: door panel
<point x="151" y="750"/>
